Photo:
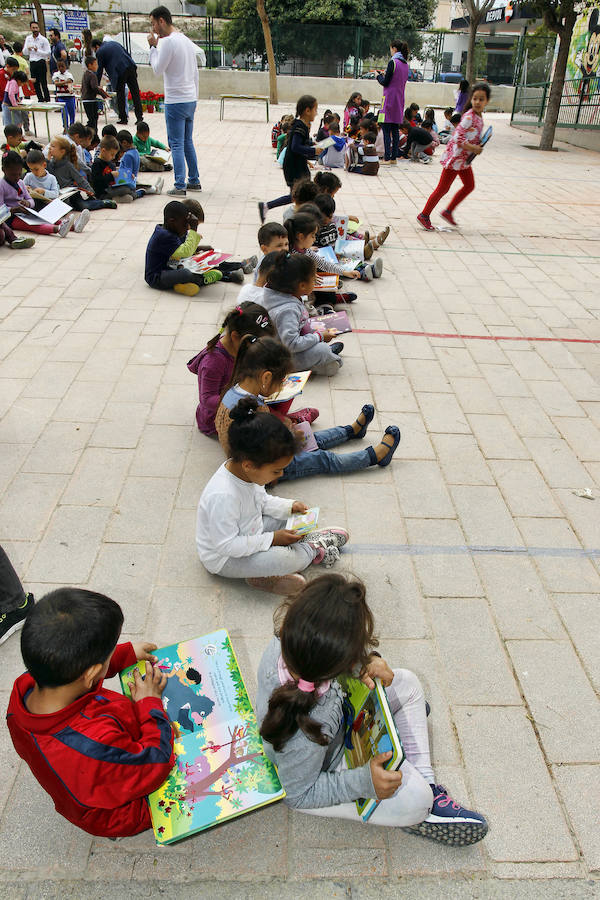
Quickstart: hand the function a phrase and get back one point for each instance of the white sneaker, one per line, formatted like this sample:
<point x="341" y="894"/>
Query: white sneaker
<point x="81" y="221"/>
<point x="158" y="185"/>
<point x="64" y="227"/>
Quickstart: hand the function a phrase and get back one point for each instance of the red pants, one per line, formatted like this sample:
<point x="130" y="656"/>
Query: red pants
<point x="444" y="184"/>
<point x="42" y="228"/>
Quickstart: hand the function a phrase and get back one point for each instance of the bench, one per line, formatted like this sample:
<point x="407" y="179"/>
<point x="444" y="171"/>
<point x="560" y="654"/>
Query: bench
<point x="225" y="97"/>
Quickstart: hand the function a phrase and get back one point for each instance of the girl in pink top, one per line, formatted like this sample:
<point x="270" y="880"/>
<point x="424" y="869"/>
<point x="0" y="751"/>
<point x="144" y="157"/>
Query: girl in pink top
<point x="455" y="160"/>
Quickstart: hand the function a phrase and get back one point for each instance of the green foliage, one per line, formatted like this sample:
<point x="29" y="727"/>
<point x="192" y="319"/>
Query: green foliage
<point x="480" y="58"/>
<point x="327" y="29"/>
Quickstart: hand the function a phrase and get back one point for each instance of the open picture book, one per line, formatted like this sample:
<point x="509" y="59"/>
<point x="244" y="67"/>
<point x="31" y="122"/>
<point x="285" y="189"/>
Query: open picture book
<point x="220" y="769"/>
<point x="291" y="387"/>
<point x="203" y="261"/>
<point x="337" y="320"/>
<point x="373" y="732"/>
<point x="48" y="214"/>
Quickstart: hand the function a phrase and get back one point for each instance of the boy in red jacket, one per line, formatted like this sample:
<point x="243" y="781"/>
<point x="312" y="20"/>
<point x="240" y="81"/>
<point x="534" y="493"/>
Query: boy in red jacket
<point x="97" y="753"/>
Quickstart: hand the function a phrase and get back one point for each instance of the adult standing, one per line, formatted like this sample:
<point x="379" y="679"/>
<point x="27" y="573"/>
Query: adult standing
<point x="37" y="48"/>
<point x="174" y="56"/>
<point x="392" y="112"/>
<point x="122" y="72"/>
<point x="57" y="51"/>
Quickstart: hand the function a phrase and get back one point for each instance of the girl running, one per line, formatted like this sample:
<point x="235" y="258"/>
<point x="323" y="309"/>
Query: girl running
<point x="455" y="160"/>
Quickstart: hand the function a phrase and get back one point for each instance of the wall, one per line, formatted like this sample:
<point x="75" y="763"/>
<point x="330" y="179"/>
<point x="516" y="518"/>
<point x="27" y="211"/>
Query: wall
<point x="329" y="91"/>
<point x="587" y="138"/>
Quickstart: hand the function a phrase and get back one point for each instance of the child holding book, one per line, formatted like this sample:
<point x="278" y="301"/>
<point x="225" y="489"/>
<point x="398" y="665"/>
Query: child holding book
<point x="324" y="632"/>
<point x="240" y="529"/>
<point x="95" y="752"/>
<point x="144" y="144"/>
<point x="231" y="270"/>
<point x="261" y="367"/>
<point x="302" y="233"/>
<point x="214" y="365"/>
<point x="15" y="195"/>
<point x="42" y="186"/>
<point x="129" y="166"/>
<point x="63" y="164"/>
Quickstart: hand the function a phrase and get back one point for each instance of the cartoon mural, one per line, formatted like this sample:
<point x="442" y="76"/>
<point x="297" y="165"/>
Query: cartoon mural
<point x="584" y="53"/>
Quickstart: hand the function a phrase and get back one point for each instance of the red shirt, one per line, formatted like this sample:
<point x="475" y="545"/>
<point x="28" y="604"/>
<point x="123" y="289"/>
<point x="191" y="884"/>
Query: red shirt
<point x="100" y="756"/>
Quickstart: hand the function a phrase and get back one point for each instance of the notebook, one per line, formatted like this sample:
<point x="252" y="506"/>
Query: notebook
<point x="373" y="732"/>
<point x="220" y="769"/>
<point x="338" y="320"/>
<point x="292" y="386"/>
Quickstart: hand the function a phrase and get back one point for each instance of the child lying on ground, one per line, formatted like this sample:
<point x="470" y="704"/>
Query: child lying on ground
<point x="97" y="753"/>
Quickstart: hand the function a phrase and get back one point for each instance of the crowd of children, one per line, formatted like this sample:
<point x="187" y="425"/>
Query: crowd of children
<point x="99" y="754"/>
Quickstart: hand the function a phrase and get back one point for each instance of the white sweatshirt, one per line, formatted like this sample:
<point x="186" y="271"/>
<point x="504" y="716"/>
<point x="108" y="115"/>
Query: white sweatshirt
<point x="229" y="522"/>
<point x="175" y="58"/>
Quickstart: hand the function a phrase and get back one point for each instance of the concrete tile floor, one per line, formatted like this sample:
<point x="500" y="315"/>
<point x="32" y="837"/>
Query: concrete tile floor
<point x="482" y="564"/>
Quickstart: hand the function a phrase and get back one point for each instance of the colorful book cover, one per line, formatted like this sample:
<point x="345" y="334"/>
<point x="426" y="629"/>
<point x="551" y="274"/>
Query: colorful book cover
<point x="305" y="432"/>
<point x="342" y="224"/>
<point x="220" y="771"/>
<point x="329" y="255"/>
<point x="484" y="139"/>
<point x="349" y="249"/>
<point x="291" y="387"/>
<point x="303" y="523"/>
<point x="373" y="732"/>
<point x="338" y="320"/>
<point x="326" y="282"/>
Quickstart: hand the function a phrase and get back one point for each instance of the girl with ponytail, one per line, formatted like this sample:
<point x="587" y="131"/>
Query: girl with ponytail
<point x="261" y="367"/>
<point x="326" y="631"/>
<point x="240" y="529"/>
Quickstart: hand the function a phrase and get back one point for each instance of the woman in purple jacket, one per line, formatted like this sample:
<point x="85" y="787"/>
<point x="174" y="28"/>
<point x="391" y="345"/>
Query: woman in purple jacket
<point x="392" y="112"/>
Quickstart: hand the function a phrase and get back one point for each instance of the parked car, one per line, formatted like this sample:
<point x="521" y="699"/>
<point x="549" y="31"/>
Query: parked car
<point x="449" y="77"/>
<point x="415" y="75"/>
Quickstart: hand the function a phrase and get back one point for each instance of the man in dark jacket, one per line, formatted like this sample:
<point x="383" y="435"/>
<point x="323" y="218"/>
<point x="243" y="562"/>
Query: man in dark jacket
<point x="122" y="71"/>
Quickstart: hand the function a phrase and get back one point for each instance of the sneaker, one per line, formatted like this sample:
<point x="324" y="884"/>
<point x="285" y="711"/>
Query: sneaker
<point x="263" y="209"/>
<point x="307" y="414"/>
<point x="22" y="243"/>
<point x="158" y="185"/>
<point x="249" y="265"/>
<point x="176" y="192"/>
<point x="236" y="277"/>
<point x="377" y="267"/>
<point x="212" y="276"/>
<point x="369" y="248"/>
<point x="194" y="186"/>
<point x="330" y="537"/>
<point x="367" y="273"/>
<point x="324" y="310"/>
<point x="167" y="167"/>
<point x="278" y="584"/>
<point x="347" y="297"/>
<point x="81" y="221"/>
<point x="122" y="122"/>
<point x="336" y="347"/>
<point x="450" y="823"/>
<point x="190" y="289"/>
<point x="64" y="227"/>
<point x="425" y="222"/>
<point x="109" y="204"/>
<point x="447" y="215"/>
<point x="13" y="620"/>
<point x="126" y="198"/>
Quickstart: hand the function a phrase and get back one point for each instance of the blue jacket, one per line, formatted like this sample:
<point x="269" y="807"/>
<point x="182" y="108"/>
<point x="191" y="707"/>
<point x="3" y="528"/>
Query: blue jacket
<point x="161" y="247"/>
<point x="114" y="59"/>
<point x="129" y="166"/>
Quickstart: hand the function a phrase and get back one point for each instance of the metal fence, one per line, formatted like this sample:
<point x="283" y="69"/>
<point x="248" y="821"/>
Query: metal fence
<point x="579" y="105"/>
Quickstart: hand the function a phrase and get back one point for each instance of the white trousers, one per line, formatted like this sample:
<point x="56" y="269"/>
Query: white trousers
<point x="412" y="801"/>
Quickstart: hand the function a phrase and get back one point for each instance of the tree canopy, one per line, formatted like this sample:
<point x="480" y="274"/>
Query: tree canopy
<point x="318" y="29"/>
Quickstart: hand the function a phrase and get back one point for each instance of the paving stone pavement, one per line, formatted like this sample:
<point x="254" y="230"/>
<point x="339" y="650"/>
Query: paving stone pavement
<point x="482" y="563"/>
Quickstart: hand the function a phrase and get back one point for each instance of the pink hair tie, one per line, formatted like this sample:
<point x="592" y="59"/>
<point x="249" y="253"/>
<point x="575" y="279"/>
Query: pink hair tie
<point x="307" y="687"/>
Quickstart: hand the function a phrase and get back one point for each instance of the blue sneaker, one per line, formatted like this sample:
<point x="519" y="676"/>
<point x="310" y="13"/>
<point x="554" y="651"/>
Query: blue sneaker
<point x="450" y="823"/>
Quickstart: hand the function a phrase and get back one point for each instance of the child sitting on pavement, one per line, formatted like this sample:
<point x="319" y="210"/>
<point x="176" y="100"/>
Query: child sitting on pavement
<point x="417" y="141"/>
<point x="231" y="270"/>
<point x="271" y="237"/>
<point x="129" y="166"/>
<point x="42" y="186"/>
<point x="144" y="144"/>
<point x="97" y="753"/>
<point x="304" y="191"/>
<point x="63" y="164"/>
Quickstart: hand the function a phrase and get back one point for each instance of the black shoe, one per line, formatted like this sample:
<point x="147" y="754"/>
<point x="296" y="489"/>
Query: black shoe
<point x="122" y="122"/>
<point x="13" y="620"/>
<point x="194" y="186"/>
<point x="336" y="348"/>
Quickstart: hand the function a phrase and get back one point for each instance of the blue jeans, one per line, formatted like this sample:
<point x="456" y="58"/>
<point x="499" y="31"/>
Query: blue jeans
<point x="322" y="462"/>
<point x="68" y="110"/>
<point x="179" y="118"/>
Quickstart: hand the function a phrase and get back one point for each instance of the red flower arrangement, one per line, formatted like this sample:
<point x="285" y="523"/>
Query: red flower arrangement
<point x="150" y="100"/>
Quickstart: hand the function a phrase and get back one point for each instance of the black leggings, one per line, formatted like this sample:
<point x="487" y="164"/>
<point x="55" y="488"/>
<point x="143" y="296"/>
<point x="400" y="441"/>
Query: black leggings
<point x="12" y="595"/>
<point x="280" y="201"/>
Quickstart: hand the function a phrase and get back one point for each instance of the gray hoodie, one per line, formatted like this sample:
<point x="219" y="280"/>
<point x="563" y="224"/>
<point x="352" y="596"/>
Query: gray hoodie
<point x="308" y="771"/>
<point x="291" y="319"/>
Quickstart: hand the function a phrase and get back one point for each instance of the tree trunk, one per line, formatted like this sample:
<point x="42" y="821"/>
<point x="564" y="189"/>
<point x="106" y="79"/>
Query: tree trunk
<point x="558" y="82"/>
<point x="262" y="12"/>
<point x="39" y="14"/>
<point x="473" y="26"/>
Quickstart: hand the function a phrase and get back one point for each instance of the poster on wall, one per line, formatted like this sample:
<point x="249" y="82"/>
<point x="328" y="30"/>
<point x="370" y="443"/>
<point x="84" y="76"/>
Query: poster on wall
<point x="584" y="52"/>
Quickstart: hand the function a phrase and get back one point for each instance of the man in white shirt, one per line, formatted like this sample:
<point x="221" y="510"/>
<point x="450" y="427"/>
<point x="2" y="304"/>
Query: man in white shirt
<point x="37" y="48"/>
<point x="173" y="55"/>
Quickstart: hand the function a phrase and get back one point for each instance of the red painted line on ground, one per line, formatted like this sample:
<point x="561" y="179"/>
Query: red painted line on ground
<point x="476" y="337"/>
